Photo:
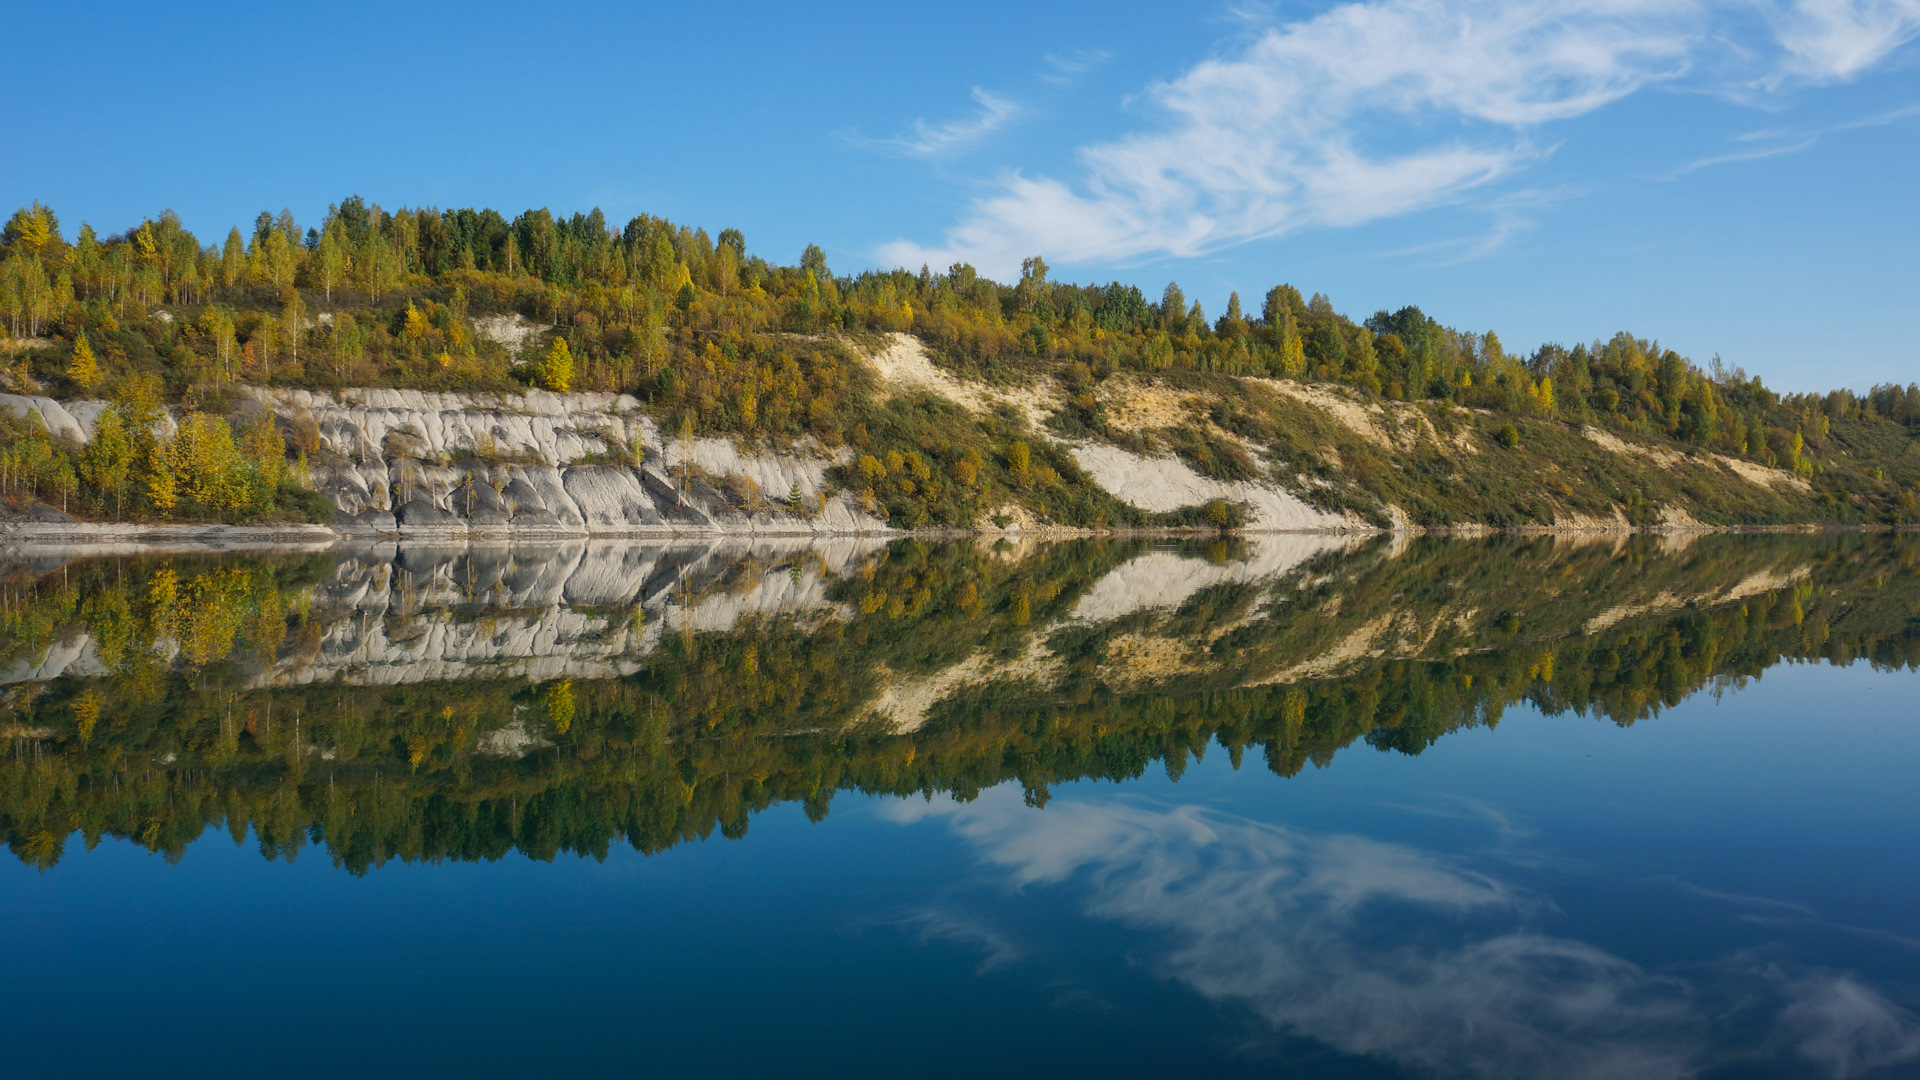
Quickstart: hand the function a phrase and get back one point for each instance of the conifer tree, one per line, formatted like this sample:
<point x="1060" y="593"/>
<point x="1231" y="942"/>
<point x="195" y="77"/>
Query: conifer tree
<point x="84" y="371"/>
<point x="556" y="371"/>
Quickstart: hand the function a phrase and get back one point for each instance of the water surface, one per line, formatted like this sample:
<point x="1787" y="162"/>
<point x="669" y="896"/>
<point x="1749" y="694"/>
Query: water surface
<point x="1277" y="806"/>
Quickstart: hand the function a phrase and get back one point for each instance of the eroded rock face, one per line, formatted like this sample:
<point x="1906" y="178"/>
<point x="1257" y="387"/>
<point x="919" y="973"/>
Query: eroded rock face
<point x="453" y="465"/>
<point x="73" y="420"/>
<point x="412" y="462"/>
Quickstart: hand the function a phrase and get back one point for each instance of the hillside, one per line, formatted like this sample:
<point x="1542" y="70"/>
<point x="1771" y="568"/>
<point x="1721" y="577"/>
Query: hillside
<point x="1130" y="450"/>
<point x="692" y="386"/>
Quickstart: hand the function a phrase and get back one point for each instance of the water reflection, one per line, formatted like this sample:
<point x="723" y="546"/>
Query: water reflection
<point x="1388" y="951"/>
<point x="423" y="704"/>
<point x="426" y="703"/>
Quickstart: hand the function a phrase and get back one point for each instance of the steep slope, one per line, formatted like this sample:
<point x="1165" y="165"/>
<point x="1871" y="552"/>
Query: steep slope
<point x="923" y="446"/>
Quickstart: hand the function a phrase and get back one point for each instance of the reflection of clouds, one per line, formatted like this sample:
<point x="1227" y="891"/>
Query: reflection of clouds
<point x="935" y="925"/>
<point x="1849" y="1028"/>
<point x="1781" y="912"/>
<point x="1380" y="949"/>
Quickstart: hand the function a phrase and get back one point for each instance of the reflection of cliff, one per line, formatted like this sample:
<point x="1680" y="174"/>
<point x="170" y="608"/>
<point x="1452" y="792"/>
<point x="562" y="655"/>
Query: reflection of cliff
<point x="568" y="609"/>
<point x="391" y="702"/>
<point x="537" y="613"/>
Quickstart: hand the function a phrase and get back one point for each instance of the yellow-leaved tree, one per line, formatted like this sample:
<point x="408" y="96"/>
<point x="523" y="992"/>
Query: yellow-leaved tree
<point x="560" y="707"/>
<point x="416" y="326"/>
<point x="163" y="490"/>
<point x="556" y="371"/>
<point x="86" y="713"/>
<point x="84" y="371"/>
<point x="207" y="465"/>
<point x="266" y="451"/>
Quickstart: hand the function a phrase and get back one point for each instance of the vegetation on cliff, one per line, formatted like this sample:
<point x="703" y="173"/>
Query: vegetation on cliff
<point x="719" y="341"/>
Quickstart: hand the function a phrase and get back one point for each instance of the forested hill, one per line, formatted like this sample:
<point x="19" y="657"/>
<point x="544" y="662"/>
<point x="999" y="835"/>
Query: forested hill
<point x="716" y="341"/>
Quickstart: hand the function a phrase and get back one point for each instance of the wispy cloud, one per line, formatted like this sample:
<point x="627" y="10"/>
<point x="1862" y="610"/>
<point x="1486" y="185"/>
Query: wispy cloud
<point x="937" y="140"/>
<point x="1508" y="217"/>
<point x="1380" y="108"/>
<point x="1848" y="1027"/>
<point x="1757" y="153"/>
<point x="1071" y="66"/>
<point x="934" y="925"/>
<point x="1833" y="40"/>
<point x="1778" y="142"/>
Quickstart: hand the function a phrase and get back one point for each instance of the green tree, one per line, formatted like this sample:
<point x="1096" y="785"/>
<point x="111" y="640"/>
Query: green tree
<point x="233" y="260"/>
<point x="329" y="260"/>
<point x="107" y="462"/>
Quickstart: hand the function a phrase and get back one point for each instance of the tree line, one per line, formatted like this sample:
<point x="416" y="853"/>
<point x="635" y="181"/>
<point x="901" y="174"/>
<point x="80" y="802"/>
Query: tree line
<point x="721" y="341"/>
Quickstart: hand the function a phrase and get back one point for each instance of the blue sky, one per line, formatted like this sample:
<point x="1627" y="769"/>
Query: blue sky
<point x="1732" y="178"/>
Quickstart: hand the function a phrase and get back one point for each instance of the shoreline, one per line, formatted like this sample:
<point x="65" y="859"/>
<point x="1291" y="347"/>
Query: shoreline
<point x="116" y="538"/>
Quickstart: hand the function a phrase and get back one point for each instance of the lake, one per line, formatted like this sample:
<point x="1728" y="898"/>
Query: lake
<point x="1274" y="805"/>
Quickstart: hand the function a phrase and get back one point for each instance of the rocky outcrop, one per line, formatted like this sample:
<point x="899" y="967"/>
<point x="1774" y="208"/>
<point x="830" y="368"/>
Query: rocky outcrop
<point x="410" y="462"/>
<point x="69" y="420"/>
<point x="456" y="465"/>
<point x="1163" y="483"/>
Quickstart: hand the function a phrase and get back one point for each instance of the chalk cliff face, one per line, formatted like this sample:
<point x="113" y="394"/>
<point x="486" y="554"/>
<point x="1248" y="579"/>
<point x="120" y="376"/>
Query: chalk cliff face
<point x="420" y="463"/>
<point x="414" y="463"/>
<point x="1300" y="457"/>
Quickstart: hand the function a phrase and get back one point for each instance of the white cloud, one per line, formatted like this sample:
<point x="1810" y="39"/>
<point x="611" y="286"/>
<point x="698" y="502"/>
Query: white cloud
<point x="1376" y="109"/>
<point x="1069" y="67"/>
<point x="1830" y="40"/>
<point x="935" y="140"/>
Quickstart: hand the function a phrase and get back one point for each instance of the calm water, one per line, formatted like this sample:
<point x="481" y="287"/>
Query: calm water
<point x="1284" y="806"/>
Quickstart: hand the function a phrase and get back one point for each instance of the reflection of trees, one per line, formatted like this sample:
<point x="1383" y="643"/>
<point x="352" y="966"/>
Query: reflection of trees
<point x="160" y="730"/>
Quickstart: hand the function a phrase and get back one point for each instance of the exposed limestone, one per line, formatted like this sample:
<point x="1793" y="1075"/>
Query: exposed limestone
<point x="1362" y="420"/>
<point x="1605" y="439"/>
<point x="512" y="330"/>
<point x="1755" y="473"/>
<point x="450" y="465"/>
<point x="453" y="466"/>
<point x="1164" y="483"/>
<point x="1133" y="407"/>
<point x="903" y="366"/>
